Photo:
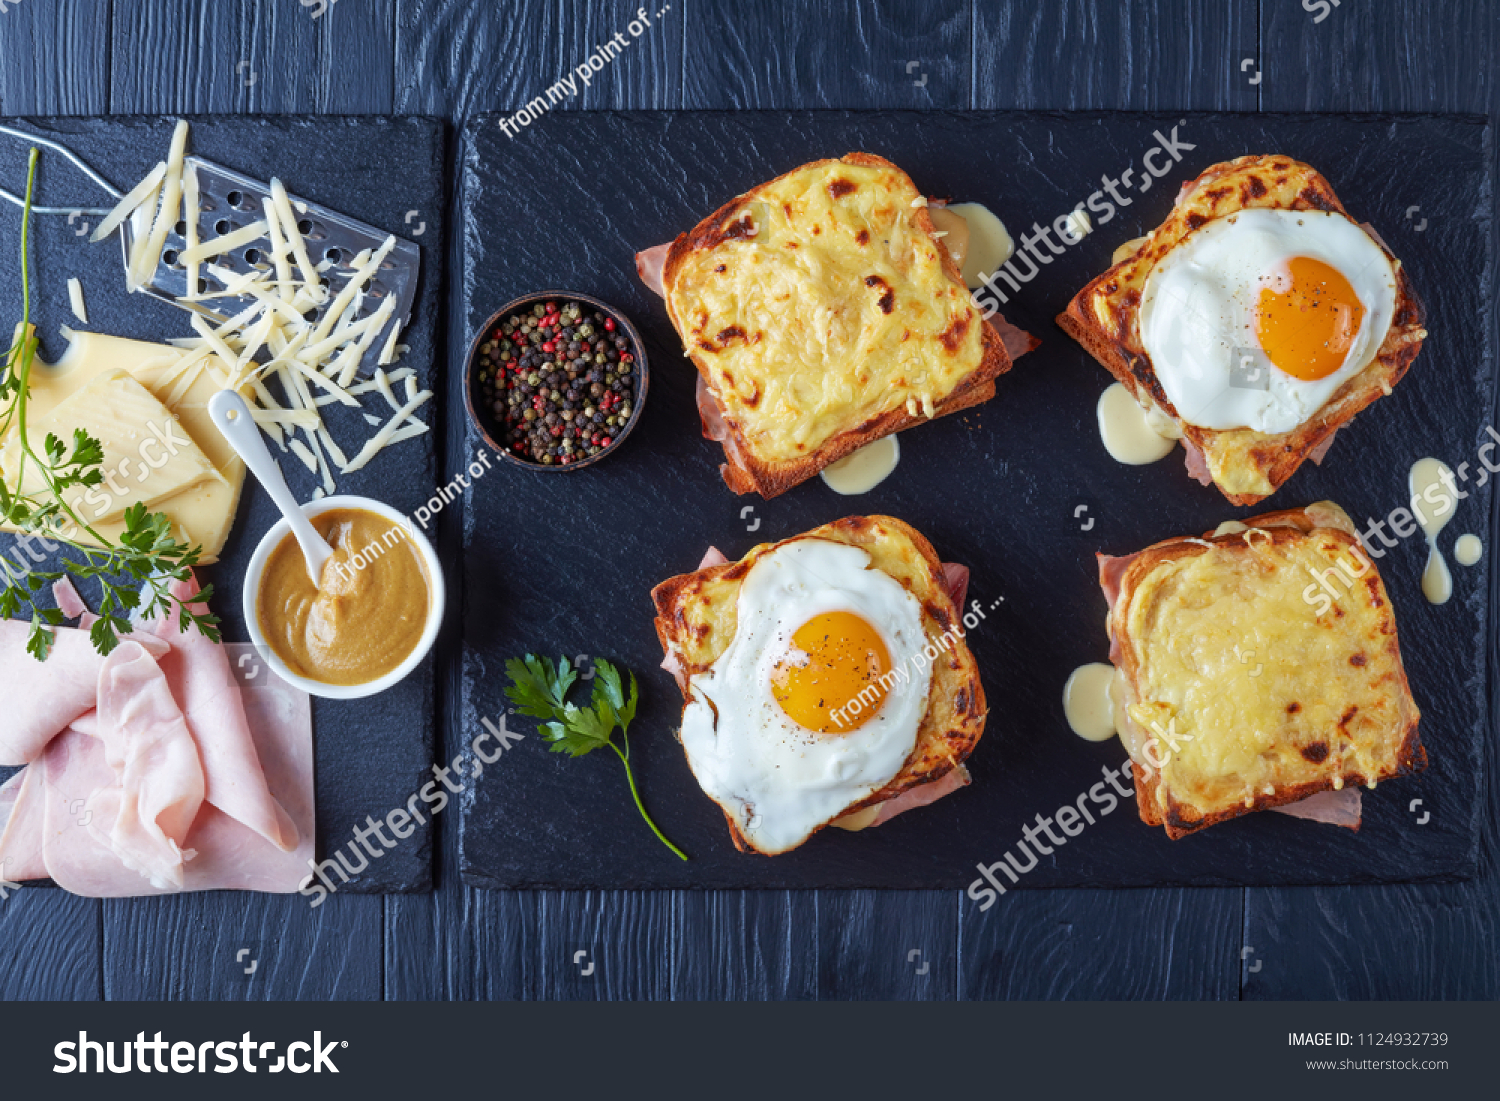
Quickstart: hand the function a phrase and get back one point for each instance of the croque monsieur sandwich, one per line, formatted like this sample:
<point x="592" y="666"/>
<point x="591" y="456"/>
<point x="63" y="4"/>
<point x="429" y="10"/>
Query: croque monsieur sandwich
<point x="823" y="311"/>
<point x="826" y="679"/>
<point x="1257" y="668"/>
<point x="1253" y="322"/>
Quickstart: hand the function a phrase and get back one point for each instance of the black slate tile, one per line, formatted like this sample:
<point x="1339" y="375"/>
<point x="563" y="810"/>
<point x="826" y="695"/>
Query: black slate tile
<point x="564" y="563"/>
<point x="372" y="753"/>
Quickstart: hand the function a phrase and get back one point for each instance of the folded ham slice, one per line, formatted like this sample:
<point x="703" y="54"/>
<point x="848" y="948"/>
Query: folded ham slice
<point x="206" y="690"/>
<point x="145" y="813"/>
<point x="224" y="854"/>
<point x="170" y="776"/>
<point x="21" y="837"/>
<point x="649" y="265"/>
<point x="43" y="697"/>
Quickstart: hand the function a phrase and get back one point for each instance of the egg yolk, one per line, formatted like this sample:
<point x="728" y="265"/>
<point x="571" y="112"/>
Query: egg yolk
<point x="830" y="680"/>
<point x="1306" y="323"/>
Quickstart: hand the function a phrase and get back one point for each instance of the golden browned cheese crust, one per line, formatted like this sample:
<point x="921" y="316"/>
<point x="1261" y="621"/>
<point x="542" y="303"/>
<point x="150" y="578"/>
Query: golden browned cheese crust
<point x="821" y="313"/>
<point x="1272" y="684"/>
<point x="1246" y="465"/>
<point x="696" y="619"/>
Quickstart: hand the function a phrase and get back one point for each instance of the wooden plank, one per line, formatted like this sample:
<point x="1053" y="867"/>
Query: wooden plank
<point x="647" y="72"/>
<point x="462" y="59"/>
<point x="624" y="937"/>
<point x="1103" y="945"/>
<point x="1407" y="56"/>
<point x="189" y="947"/>
<point x="1390" y="942"/>
<point x="863" y="56"/>
<point x="224" y="57"/>
<point x="1406" y="942"/>
<point x="439" y="71"/>
<point x="888" y="945"/>
<point x="55" y="59"/>
<point x="1101" y="54"/>
<point x="49" y="946"/>
<point x="745" y="946"/>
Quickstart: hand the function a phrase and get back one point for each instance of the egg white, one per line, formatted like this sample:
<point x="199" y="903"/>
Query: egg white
<point x="1198" y="306"/>
<point x="777" y="780"/>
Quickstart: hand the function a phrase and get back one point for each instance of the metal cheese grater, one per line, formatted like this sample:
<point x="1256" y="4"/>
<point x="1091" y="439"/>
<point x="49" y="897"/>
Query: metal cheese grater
<point x="228" y="200"/>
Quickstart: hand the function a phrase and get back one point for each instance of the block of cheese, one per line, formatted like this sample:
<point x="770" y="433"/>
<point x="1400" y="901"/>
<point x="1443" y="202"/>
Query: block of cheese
<point x="201" y="512"/>
<point x="147" y="456"/>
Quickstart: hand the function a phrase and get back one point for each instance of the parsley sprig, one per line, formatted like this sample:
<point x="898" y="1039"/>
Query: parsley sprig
<point x="540" y="689"/>
<point x="134" y="574"/>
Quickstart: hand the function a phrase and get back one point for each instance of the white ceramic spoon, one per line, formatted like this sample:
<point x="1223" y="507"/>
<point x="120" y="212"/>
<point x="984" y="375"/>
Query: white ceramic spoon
<point x="232" y="417"/>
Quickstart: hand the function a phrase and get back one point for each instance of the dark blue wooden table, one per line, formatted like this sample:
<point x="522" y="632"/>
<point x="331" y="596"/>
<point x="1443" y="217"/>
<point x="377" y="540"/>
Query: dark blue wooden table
<point x="453" y="58"/>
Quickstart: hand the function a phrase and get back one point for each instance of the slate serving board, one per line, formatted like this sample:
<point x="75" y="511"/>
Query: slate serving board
<point x="1020" y="489"/>
<point x="371" y="754"/>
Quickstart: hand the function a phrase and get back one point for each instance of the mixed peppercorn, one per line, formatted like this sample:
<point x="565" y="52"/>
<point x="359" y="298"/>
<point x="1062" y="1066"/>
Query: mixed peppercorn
<point x="559" y="382"/>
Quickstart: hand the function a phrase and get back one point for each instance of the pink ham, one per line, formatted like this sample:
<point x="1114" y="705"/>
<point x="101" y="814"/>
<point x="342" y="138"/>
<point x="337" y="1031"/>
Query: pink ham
<point x="205" y="688"/>
<point x="43" y="697"/>
<point x="1017" y="341"/>
<point x="1197" y="465"/>
<point x="226" y="854"/>
<point x="714" y="427"/>
<point x="650" y="264"/>
<point x="956" y="582"/>
<point x="1322" y="449"/>
<point x="145" y="813"/>
<point x="69" y="603"/>
<point x="922" y="795"/>
<point x="1336" y="808"/>
<point x="21" y="837"/>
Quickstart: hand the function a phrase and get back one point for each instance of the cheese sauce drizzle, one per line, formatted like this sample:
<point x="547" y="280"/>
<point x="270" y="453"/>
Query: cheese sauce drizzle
<point x="1087" y="703"/>
<point x="864" y="469"/>
<point x="1126" y="431"/>
<point x="1468" y="549"/>
<point x="1432" y="502"/>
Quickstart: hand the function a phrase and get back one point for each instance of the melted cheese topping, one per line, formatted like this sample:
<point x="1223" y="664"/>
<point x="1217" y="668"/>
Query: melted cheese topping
<point x="1261" y="683"/>
<point x="823" y="304"/>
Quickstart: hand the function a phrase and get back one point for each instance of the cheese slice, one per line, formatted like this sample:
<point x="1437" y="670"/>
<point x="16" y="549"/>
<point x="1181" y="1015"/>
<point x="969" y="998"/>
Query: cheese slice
<point x="147" y="456"/>
<point x="201" y="514"/>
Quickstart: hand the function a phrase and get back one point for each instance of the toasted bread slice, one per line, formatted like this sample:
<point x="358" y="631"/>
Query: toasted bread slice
<point x="1246" y="465"/>
<point x="696" y="616"/>
<point x="1257" y="667"/>
<point x="822" y="313"/>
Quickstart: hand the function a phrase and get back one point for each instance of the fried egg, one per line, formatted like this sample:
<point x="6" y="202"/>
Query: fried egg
<point x="1255" y="319"/>
<point x="816" y="702"/>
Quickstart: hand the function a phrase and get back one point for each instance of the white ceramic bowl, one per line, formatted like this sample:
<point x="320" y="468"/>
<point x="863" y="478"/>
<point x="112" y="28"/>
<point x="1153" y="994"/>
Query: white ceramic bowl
<point x="436" y="599"/>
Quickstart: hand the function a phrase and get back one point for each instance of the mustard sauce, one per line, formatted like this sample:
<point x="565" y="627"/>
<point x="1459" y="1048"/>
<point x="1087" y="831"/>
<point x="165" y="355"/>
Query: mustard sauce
<point x="369" y="611"/>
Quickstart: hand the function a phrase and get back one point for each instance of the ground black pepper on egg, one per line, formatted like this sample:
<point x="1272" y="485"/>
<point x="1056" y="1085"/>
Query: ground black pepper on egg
<point x="558" y="381"/>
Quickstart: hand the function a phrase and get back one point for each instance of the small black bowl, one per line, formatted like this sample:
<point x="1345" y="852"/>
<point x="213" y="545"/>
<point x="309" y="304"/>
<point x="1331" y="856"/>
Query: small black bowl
<point x="486" y="423"/>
